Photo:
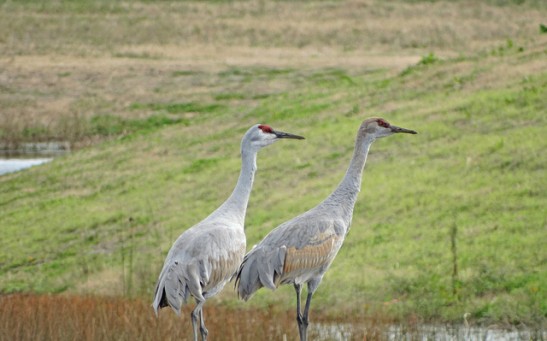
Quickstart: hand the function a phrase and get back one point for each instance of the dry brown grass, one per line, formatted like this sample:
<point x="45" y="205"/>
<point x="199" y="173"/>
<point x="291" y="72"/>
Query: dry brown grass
<point x="95" y="28"/>
<point x="62" y="63"/>
<point x="59" y="317"/>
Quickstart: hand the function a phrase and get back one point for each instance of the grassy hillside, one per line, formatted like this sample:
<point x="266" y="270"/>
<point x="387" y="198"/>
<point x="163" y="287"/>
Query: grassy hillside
<point x="471" y="184"/>
<point x="66" y="64"/>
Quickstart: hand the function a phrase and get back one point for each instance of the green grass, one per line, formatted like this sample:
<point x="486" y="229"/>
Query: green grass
<point x="163" y="110"/>
<point x="108" y="214"/>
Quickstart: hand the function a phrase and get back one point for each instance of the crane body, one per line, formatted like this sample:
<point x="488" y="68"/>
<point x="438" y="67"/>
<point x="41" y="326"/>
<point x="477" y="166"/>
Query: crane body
<point x="207" y="255"/>
<point x="301" y="250"/>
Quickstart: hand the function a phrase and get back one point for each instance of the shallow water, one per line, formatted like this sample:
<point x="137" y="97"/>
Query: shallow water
<point x="449" y="333"/>
<point x="17" y="164"/>
<point x="27" y="155"/>
<point x="327" y="331"/>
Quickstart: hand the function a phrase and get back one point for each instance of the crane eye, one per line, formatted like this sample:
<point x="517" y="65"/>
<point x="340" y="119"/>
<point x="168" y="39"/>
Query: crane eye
<point x="383" y="123"/>
<point x="265" y="128"/>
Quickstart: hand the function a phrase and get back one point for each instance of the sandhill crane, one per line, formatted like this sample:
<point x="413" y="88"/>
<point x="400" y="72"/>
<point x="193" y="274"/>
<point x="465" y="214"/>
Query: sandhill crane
<point x="301" y="250"/>
<point x="208" y="254"/>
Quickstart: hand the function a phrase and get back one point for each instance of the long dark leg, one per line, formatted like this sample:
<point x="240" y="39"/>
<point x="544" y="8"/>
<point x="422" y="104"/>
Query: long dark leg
<point x="299" y="319"/>
<point x="202" y="328"/>
<point x="194" y="315"/>
<point x="303" y="325"/>
<point x="305" y="320"/>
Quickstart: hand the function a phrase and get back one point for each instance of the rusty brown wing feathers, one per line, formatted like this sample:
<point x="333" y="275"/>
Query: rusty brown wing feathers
<point x="301" y="244"/>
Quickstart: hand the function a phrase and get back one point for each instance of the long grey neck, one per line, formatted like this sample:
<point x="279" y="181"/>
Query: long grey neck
<point x="235" y="207"/>
<point x="344" y="196"/>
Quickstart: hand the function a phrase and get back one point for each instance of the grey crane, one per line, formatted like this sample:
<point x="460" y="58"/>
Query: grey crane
<point x="206" y="256"/>
<point x="301" y="250"/>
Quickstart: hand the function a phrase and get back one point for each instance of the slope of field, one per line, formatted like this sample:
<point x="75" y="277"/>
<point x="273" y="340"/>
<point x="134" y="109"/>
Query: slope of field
<point x="65" y="64"/>
<point x="467" y="191"/>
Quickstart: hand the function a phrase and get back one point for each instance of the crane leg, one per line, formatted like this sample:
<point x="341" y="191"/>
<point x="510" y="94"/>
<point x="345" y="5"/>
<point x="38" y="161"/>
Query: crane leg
<point x="202" y="328"/>
<point x="305" y="320"/>
<point x="195" y="315"/>
<point x="301" y="320"/>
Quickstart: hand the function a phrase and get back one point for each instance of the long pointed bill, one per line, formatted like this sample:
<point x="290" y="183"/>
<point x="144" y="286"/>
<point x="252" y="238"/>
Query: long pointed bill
<point x="396" y="129"/>
<point x="283" y="135"/>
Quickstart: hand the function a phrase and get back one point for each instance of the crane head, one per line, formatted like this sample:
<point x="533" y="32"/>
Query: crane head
<point x="378" y="127"/>
<point x="262" y="135"/>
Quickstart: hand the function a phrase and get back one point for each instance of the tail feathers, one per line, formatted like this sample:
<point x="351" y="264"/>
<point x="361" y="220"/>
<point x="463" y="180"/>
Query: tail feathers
<point x="173" y="288"/>
<point x="260" y="268"/>
<point x="247" y="280"/>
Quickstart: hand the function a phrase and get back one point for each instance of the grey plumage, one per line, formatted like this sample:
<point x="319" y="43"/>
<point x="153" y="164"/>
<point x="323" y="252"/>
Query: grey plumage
<point x="206" y="256"/>
<point x="301" y="250"/>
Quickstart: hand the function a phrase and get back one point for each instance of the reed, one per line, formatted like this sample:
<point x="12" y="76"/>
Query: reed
<point x="64" y="317"/>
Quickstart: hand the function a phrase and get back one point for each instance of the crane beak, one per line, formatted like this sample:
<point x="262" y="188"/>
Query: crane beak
<point x="283" y="135"/>
<point x="396" y="129"/>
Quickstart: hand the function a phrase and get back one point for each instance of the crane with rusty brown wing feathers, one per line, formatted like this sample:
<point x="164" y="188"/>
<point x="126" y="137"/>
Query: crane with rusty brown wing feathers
<point x="301" y="250"/>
